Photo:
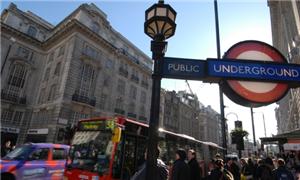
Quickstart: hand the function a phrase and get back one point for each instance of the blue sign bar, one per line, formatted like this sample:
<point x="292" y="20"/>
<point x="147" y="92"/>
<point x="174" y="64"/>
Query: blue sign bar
<point x="253" y="70"/>
<point x="179" y="68"/>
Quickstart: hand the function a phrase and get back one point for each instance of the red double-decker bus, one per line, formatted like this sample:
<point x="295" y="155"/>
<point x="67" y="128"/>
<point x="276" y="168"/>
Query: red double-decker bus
<point x="113" y="148"/>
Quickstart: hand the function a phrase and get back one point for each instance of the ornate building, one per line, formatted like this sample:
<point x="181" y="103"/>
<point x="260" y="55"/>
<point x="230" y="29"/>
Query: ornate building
<point x="285" y="21"/>
<point x="183" y="113"/>
<point x="52" y="76"/>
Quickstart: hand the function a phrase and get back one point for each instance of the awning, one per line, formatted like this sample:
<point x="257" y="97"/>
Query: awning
<point x="291" y="146"/>
<point x="282" y="138"/>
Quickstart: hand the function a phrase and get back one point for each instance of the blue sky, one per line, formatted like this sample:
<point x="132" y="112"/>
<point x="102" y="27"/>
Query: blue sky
<point x="194" y="38"/>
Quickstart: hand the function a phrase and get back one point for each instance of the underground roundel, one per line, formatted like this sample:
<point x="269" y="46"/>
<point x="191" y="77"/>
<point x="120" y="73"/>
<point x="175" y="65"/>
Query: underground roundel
<point x="249" y="93"/>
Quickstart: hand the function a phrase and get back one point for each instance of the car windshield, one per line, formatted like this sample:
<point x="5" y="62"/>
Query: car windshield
<point x="20" y="153"/>
<point x="91" y="151"/>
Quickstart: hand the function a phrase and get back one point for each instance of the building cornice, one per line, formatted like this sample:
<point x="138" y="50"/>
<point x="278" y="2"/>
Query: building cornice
<point x="23" y="36"/>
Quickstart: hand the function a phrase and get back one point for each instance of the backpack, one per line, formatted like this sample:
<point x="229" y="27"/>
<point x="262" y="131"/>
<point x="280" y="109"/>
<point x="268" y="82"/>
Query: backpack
<point x="266" y="173"/>
<point x="283" y="175"/>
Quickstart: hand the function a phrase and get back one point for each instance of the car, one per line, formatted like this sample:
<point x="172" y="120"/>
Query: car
<point x="35" y="160"/>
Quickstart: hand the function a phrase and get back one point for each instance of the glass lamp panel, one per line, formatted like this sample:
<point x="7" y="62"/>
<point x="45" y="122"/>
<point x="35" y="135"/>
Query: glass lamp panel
<point x="160" y="25"/>
<point x="152" y="26"/>
<point x="150" y="14"/>
<point x="161" y="11"/>
<point x="171" y="15"/>
<point x="166" y="27"/>
<point x="168" y="33"/>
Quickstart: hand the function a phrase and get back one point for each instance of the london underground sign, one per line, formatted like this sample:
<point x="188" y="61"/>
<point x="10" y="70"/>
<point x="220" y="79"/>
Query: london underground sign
<point x="257" y="93"/>
<point x="252" y="73"/>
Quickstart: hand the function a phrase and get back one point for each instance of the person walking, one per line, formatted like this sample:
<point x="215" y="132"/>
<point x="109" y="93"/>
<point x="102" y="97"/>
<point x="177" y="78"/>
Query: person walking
<point x="162" y="169"/>
<point x="180" y="169"/>
<point x="6" y="148"/>
<point x="219" y="172"/>
<point x="195" y="173"/>
<point x="246" y="171"/>
<point x="233" y="168"/>
<point x="281" y="173"/>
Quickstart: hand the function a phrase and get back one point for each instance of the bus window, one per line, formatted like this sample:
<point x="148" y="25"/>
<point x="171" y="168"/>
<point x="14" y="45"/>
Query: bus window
<point x="91" y="151"/>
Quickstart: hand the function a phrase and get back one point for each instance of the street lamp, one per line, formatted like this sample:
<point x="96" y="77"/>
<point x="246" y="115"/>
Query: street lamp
<point x="159" y="25"/>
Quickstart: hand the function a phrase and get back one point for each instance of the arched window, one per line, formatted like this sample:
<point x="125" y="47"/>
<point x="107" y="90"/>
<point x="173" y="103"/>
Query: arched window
<point x="32" y="31"/>
<point x="16" y="80"/>
<point x="95" y="27"/>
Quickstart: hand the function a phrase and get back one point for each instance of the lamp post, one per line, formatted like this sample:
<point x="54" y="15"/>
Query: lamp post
<point x="159" y="25"/>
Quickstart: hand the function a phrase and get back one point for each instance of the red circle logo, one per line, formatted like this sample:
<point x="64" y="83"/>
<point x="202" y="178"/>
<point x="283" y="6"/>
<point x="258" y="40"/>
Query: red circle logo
<point x="254" y="94"/>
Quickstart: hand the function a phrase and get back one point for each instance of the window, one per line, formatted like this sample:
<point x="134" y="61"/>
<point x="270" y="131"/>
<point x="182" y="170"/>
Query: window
<point x="17" y="117"/>
<point x="103" y="101"/>
<point x="32" y="31"/>
<point x="132" y="93"/>
<point x="91" y="52"/>
<point x="87" y="77"/>
<point x="51" y="57"/>
<point x="121" y="87"/>
<point x="16" y="80"/>
<point x="143" y="97"/>
<point x="95" y="27"/>
<point x="142" y="110"/>
<point x="77" y="116"/>
<point x="61" y="51"/>
<point x="39" y="154"/>
<point x="106" y="80"/>
<point x="52" y="93"/>
<point x="57" y="69"/>
<point x="59" y="154"/>
<point x="42" y="117"/>
<point x="42" y="96"/>
<point x="46" y="76"/>
<point x="23" y="52"/>
<point x="131" y="108"/>
<point x="119" y="103"/>
<point x="6" y="115"/>
<point x="109" y="64"/>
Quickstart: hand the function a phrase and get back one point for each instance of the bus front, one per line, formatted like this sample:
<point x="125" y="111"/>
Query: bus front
<point x="92" y="150"/>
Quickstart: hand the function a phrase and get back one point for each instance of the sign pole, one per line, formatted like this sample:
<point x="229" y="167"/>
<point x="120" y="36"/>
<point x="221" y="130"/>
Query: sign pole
<point x="223" y="120"/>
<point x="253" y="128"/>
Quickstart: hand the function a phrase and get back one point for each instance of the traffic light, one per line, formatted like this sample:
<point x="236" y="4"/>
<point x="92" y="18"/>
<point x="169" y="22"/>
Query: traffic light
<point x="240" y="143"/>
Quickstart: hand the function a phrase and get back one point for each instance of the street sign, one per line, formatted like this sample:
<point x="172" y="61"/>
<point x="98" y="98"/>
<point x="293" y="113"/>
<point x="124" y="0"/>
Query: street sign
<point x="258" y="93"/>
<point x="252" y="73"/>
<point x="253" y="70"/>
<point x="179" y="68"/>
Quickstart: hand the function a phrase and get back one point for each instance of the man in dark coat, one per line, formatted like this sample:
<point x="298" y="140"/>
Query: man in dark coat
<point x="233" y="168"/>
<point x="219" y="173"/>
<point x="180" y="169"/>
<point x="281" y="172"/>
<point x="195" y="173"/>
<point x="161" y="169"/>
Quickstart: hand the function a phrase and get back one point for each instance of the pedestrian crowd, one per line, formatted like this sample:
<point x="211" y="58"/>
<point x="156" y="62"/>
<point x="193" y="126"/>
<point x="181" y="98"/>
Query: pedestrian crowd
<point x="187" y="167"/>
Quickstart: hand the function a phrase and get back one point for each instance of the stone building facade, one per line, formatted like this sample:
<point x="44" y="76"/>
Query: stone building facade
<point x="285" y="23"/>
<point x="52" y="76"/>
<point x="182" y="113"/>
